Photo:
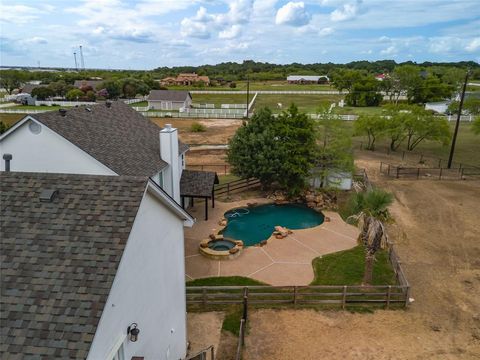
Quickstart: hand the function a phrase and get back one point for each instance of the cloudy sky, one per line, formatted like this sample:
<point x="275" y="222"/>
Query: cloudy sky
<point x="145" y="34"/>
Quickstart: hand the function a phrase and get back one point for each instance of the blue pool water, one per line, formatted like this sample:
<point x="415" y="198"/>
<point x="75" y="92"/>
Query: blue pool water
<point x="255" y="224"/>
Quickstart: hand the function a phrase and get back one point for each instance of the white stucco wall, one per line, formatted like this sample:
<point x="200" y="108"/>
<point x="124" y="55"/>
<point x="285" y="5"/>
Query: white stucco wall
<point x="149" y="289"/>
<point x="47" y="152"/>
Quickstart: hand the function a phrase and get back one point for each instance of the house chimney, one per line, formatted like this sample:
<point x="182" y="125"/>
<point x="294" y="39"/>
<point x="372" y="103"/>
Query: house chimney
<point x="62" y="112"/>
<point x="7" y="158"/>
<point x="169" y="154"/>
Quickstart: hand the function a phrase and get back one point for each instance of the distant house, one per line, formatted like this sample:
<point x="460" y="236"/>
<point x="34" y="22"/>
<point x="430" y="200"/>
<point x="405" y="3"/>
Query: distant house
<point x="185" y="79"/>
<point x="85" y="83"/>
<point x="85" y="258"/>
<point x="381" y="77"/>
<point x="27" y="88"/>
<point x="104" y="139"/>
<point x="169" y="100"/>
<point x="307" y="79"/>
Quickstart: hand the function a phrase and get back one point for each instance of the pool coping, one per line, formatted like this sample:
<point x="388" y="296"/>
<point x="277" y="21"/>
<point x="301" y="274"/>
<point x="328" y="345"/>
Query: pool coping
<point x="285" y="261"/>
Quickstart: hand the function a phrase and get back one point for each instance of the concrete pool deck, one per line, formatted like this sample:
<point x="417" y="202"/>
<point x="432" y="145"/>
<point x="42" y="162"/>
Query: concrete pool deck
<point x="285" y="261"/>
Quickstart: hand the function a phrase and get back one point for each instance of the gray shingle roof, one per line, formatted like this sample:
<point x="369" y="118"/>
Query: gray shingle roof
<point x="197" y="183"/>
<point x="119" y="137"/>
<point x="59" y="259"/>
<point x="168" y="95"/>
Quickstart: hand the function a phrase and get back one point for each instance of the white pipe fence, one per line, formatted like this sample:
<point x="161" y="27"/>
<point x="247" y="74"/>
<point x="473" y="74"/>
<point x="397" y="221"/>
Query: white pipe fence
<point x="272" y="92"/>
<point x="204" y="106"/>
<point x="136" y="100"/>
<point x="63" y="103"/>
<point x="233" y="106"/>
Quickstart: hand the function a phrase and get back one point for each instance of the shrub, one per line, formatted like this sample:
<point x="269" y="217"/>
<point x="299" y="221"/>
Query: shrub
<point x="197" y="127"/>
<point x="233" y="85"/>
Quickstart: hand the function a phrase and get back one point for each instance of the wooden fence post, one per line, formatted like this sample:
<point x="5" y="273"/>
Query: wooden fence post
<point x="398" y="169"/>
<point x="245" y="303"/>
<point x="228" y="189"/>
<point x="418" y="173"/>
<point x="403" y="154"/>
<point x="388" y="169"/>
<point x="295" y="296"/>
<point x="344" y="297"/>
<point x="225" y="165"/>
<point x="440" y="175"/>
<point x="389" y="290"/>
<point x="204" y="296"/>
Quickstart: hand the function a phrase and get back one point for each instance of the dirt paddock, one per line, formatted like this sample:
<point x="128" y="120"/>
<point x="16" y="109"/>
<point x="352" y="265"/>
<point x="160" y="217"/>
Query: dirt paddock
<point x="437" y="234"/>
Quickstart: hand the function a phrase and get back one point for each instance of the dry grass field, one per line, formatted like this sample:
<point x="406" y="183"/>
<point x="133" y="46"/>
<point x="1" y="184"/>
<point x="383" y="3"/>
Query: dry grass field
<point x="437" y="233"/>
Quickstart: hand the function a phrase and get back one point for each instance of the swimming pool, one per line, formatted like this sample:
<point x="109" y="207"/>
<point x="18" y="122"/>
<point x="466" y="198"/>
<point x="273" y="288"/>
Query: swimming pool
<point x="255" y="224"/>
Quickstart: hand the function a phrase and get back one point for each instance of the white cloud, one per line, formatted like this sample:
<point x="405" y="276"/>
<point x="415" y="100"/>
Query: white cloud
<point x="203" y="24"/>
<point x="346" y="12"/>
<point x="473" y="45"/>
<point x="325" y="31"/>
<point x="18" y="14"/>
<point x="231" y="33"/>
<point x="35" y="40"/>
<point x="195" y="29"/>
<point x="391" y="50"/>
<point x="292" y="13"/>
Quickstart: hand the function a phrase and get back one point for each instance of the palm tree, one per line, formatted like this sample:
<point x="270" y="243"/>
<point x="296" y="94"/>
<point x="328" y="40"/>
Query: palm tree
<point x="370" y="211"/>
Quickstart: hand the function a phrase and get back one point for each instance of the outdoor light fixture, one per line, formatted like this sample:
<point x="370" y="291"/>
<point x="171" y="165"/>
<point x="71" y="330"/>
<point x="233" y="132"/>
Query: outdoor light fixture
<point x="133" y="331"/>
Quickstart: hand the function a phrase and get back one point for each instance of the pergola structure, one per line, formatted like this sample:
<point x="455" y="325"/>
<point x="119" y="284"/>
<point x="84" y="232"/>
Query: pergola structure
<point x="198" y="184"/>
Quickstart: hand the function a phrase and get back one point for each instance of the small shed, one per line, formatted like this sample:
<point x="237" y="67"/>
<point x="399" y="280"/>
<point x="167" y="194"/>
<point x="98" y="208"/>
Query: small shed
<point x="169" y="100"/>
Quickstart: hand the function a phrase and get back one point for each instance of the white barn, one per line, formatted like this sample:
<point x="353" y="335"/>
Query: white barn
<point x="169" y="100"/>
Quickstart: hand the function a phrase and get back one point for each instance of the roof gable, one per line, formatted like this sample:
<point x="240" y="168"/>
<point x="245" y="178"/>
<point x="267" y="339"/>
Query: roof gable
<point x="117" y="136"/>
<point x="168" y="95"/>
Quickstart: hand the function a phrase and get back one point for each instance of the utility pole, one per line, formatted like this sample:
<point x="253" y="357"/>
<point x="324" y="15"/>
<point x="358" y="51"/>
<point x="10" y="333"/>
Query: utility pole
<point x="248" y="93"/>
<point x="75" y="57"/>
<point x="460" y="106"/>
<point x="81" y="58"/>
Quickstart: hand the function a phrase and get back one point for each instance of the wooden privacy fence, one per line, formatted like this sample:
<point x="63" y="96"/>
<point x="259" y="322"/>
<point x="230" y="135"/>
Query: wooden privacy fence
<point x="208" y="296"/>
<point x="218" y="168"/>
<point x="206" y="354"/>
<point x="440" y="173"/>
<point x="236" y="186"/>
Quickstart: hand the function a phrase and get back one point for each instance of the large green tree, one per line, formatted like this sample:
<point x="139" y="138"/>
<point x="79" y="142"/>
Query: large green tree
<point x="42" y="92"/>
<point x="422" y="125"/>
<point x="11" y="79"/>
<point x="273" y="149"/>
<point x="371" y="126"/>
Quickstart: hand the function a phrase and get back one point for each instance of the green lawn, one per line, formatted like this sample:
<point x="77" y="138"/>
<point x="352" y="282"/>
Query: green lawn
<point x="347" y="267"/>
<point x="139" y="104"/>
<point x="219" y="99"/>
<point x="351" y="110"/>
<point x="225" y="281"/>
<point x="305" y="103"/>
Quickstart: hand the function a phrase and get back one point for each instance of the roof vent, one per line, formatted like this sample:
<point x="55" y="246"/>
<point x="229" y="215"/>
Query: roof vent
<point x="88" y="109"/>
<point x="108" y="104"/>
<point x="48" y="195"/>
<point x="62" y="112"/>
<point x="7" y="158"/>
